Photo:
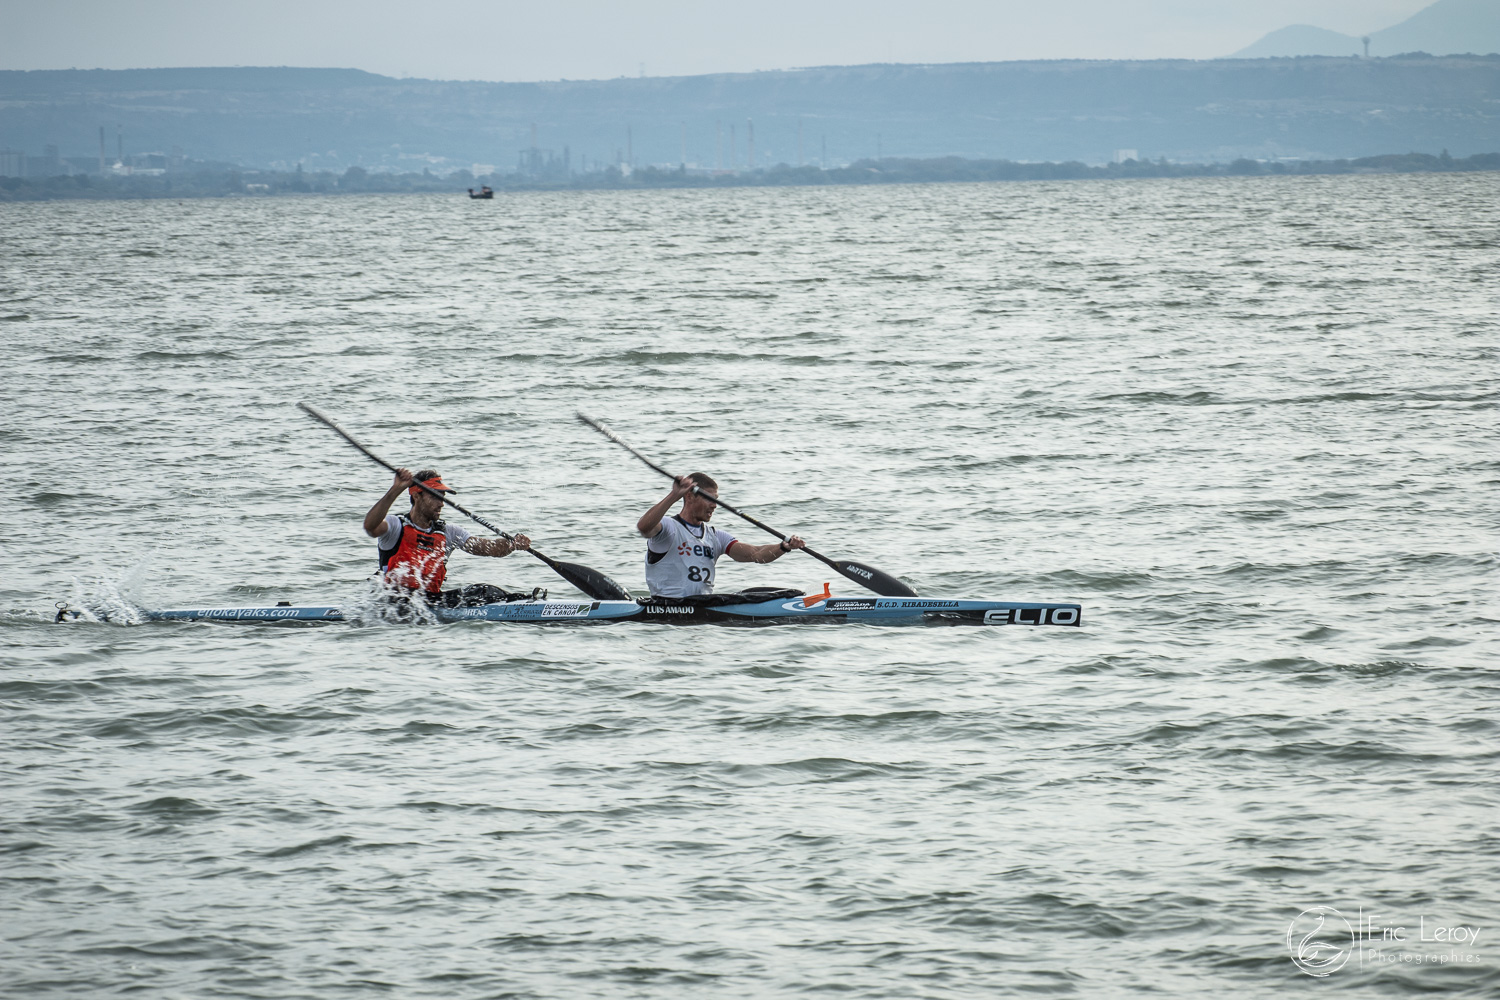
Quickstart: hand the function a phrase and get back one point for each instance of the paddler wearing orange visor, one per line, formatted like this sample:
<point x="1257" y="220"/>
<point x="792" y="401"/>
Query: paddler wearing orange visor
<point x="414" y="547"/>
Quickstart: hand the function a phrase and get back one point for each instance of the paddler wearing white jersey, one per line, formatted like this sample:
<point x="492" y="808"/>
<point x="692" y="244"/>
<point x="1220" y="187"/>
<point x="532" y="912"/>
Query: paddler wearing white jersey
<point x="682" y="550"/>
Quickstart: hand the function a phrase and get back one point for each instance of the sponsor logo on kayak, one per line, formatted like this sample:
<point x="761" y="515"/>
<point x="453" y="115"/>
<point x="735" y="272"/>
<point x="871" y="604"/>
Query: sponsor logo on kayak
<point x="929" y="604"/>
<point x="249" y="613"/>
<point x="1031" y="616"/>
<point x="800" y="604"/>
<point x="564" y="610"/>
<point x="850" y="604"/>
<point x="669" y="609"/>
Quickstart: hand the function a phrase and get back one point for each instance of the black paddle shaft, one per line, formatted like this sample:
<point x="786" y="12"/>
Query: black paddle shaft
<point x="590" y="581"/>
<point x="866" y="576"/>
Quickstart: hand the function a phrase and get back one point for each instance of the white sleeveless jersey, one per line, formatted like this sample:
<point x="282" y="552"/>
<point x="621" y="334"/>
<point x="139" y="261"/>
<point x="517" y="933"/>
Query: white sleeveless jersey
<point x="680" y="558"/>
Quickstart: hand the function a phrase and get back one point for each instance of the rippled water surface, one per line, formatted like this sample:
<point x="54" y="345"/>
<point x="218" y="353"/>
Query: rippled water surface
<point x="1250" y="425"/>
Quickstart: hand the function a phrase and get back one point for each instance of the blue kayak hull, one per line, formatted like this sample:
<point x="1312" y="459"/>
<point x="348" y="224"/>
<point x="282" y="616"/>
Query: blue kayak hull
<point x="895" y="610"/>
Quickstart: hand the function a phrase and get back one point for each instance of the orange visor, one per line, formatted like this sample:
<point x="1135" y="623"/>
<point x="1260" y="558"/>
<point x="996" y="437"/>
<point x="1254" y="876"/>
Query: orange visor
<point x="432" y="484"/>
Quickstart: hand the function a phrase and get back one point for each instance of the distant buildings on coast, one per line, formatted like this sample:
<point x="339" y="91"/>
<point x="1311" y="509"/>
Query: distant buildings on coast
<point x="17" y="163"/>
<point x="533" y="163"/>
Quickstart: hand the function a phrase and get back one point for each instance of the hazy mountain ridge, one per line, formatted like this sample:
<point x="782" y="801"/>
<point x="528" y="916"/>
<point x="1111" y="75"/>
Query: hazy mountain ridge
<point x="1062" y="110"/>
<point x="1301" y="40"/>
<point x="1448" y="27"/>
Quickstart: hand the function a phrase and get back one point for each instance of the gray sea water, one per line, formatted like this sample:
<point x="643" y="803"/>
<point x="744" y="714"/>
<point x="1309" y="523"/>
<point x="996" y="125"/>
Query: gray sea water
<point x="1250" y="425"/>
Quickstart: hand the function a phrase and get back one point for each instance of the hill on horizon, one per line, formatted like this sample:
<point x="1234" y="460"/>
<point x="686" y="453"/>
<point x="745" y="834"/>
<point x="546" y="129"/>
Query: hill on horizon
<point x="1301" y="40"/>
<point x="1091" y="111"/>
<point x="1447" y="27"/>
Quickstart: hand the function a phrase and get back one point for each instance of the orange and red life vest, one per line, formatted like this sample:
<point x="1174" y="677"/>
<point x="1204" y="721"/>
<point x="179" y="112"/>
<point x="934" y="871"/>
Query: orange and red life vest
<point x="419" y="560"/>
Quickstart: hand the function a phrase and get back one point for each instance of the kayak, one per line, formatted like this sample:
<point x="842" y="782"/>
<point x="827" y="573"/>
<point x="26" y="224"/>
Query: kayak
<point x="778" y="610"/>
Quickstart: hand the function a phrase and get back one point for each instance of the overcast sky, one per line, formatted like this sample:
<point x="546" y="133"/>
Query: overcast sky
<point x="583" y="39"/>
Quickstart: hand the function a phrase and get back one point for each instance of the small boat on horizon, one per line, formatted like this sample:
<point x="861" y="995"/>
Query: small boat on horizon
<point x="483" y="192"/>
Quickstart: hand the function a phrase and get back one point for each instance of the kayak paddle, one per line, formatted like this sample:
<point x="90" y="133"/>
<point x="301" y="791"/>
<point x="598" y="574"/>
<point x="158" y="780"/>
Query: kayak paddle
<point x="866" y="576"/>
<point x="590" y="581"/>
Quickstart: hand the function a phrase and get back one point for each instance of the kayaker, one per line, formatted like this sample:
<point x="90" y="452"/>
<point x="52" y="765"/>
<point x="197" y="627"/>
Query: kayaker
<point x="681" y="550"/>
<point x="414" y="546"/>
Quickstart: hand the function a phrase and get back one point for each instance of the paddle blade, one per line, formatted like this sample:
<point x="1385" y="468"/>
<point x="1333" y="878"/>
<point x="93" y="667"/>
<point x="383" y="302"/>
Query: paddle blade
<point x="591" y="581"/>
<point x="873" y="579"/>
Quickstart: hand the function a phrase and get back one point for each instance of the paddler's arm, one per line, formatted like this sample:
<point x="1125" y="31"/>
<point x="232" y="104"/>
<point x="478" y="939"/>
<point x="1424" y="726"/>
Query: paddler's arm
<point x="495" y="546"/>
<point x="770" y="552"/>
<point x="650" y="522"/>
<point x="375" y="519"/>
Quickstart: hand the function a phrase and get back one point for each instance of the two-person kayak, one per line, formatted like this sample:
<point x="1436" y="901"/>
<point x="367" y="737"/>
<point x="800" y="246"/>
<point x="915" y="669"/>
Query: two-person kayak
<point x="755" y="607"/>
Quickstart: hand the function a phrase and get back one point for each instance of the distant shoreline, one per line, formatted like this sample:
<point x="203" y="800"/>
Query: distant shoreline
<point x="231" y="183"/>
